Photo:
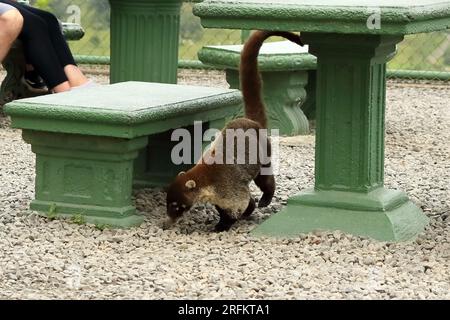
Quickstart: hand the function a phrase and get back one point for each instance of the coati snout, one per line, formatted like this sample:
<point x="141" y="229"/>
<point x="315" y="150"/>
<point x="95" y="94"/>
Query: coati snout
<point x="180" y="196"/>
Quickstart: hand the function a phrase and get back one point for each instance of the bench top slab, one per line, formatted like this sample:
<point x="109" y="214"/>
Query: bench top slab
<point x="274" y="56"/>
<point x="72" y="31"/>
<point x="125" y="110"/>
<point x="327" y="16"/>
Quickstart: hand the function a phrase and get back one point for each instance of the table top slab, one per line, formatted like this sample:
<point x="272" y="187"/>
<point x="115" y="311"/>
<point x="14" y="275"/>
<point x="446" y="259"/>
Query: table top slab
<point x="329" y="16"/>
<point x="72" y="31"/>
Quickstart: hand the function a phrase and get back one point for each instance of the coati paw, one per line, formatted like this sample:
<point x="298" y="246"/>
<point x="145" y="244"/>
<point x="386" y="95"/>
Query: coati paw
<point x="225" y="222"/>
<point x="221" y="228"/>
<point x="167" y="224"/>
<point x="265" y="201"/>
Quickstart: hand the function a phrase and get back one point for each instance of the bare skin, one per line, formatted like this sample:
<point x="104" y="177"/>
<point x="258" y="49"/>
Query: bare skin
<point x="63" y="87"/>
<point x="76" y="79"/>
<point x="75" y="76"/>
<point x="11" y="23"/>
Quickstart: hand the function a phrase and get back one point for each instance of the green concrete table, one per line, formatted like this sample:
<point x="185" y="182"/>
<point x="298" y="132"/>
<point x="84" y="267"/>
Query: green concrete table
<point x="144" y="40"/>
<point x="352" y="51"/>
<point x="285" y="69"/>
<point x="91" y="144"/>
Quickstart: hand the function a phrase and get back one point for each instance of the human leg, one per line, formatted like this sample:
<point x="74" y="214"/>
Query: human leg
<point x="39" y="52"/>
<point x="11" y="22"/>
<point x="74" y="74"/>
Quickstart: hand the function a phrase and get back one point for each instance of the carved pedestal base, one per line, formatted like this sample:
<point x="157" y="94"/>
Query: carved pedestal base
<point x="85" y="176"/>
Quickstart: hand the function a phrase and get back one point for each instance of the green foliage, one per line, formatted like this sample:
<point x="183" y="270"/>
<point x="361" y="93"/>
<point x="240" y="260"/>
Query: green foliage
<point x="52" y="212"/>
<point x="191" y="27"/>
<point x="102" y="227"/>
<point x="78" y="219"/>
<point x="423" y="52"/>
<point x="42" y="4"/>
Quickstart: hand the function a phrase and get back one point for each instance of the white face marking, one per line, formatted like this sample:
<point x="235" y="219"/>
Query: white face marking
<point x="176" y="206"/>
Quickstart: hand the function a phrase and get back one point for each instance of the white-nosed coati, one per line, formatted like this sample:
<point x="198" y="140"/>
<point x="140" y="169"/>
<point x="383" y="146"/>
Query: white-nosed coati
<point x="227" y="185"/>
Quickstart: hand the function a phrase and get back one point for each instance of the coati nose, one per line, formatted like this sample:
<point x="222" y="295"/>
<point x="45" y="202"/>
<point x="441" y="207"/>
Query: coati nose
<point x="168" y="223"/>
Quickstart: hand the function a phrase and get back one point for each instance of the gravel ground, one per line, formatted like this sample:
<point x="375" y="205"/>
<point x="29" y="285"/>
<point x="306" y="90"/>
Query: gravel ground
<point x="58" y="260"/>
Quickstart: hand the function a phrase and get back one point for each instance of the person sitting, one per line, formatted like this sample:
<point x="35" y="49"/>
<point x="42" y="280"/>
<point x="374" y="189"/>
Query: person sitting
<point x="46" y="50"/>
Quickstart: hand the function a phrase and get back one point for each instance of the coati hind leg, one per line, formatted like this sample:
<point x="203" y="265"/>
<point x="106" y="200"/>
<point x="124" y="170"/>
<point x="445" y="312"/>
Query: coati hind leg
<point x="226" y="221"/>
<point x="266" y="183"/>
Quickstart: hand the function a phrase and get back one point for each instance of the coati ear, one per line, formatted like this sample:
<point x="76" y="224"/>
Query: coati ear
<point x="182" y="173"/>
<point x="191" y="184"/>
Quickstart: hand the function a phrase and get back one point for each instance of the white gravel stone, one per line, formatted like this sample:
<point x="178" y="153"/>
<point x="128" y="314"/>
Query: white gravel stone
<point x="55" y="259"/>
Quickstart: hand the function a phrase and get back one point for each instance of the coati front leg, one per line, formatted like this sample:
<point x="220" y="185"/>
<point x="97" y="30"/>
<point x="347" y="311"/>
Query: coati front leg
<point x="251" y="207"/>
<point x="266" y="183"/>
<point x="226" y="221"/>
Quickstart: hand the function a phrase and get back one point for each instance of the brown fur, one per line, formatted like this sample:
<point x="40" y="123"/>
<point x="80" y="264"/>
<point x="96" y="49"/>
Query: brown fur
<point x="227" y="185"/>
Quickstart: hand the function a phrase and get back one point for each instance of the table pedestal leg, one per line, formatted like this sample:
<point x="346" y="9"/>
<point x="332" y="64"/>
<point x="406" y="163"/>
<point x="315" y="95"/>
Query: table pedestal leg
<point x="144" y="40"/>
<point x="349" y="193"/>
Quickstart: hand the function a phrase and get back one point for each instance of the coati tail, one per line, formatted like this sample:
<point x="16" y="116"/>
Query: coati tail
<point x="251" y="83"/>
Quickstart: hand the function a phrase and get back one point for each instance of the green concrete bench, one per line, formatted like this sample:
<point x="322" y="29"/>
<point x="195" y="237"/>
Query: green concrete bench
<point x="92" y="144"/>
<point x="12" y="87"/>
<point x="288" y="72"/>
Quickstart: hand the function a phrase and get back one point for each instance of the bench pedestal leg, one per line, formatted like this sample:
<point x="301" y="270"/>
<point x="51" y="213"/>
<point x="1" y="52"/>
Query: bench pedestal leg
<point x="349" y="193"/>
<point x="144" y="40"/>
<point x="284" y="95"/>
<point x="154" y="166"/>
<point x="86" y="178"/>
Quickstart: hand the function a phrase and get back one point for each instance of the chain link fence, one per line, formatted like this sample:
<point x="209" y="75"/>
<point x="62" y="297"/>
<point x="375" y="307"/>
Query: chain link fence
<point x="419" y="54"/>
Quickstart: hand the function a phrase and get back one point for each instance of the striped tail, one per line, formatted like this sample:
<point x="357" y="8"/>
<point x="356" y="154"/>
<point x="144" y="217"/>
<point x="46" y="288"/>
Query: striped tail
<point x="251" y="82"/>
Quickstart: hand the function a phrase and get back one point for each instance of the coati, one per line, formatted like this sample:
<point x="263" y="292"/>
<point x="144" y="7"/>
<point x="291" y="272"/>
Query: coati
<point x="226" y="186"/>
